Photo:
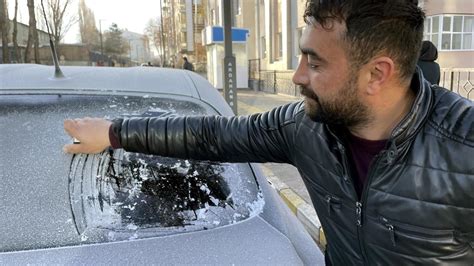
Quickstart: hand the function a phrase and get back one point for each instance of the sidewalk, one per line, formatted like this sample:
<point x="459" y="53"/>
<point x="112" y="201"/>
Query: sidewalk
<point x="283" y="177"/>
<point x="250" y="102"/>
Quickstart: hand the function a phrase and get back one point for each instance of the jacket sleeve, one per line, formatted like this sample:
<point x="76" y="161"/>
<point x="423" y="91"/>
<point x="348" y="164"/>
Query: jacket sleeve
<point x="266" y="137"/>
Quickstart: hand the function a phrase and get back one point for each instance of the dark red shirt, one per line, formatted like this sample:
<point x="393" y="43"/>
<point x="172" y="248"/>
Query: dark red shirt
<point x="362" y="154"/>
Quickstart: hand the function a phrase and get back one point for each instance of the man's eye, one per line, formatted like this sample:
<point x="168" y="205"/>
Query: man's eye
<point x="313" y="66"/>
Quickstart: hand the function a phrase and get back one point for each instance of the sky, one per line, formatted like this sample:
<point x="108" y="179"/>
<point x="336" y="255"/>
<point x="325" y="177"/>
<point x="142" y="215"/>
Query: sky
<point x="132" y="15"/>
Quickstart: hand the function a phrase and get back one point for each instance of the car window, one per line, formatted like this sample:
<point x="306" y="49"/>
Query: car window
<point x="52" y="199"/>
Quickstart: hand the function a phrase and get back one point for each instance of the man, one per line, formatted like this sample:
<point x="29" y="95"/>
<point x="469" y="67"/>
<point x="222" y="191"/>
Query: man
<point x="427" y="63"/>
<point x="187" y="65"/>
<point x="387" y="158"/>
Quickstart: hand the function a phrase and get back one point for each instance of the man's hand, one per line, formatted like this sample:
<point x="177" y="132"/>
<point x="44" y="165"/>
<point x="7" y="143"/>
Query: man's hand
<point x="93" y="134"/>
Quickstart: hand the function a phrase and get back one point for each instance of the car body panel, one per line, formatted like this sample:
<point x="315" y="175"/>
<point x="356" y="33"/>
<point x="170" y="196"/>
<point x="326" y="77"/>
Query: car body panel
<point x="271" y="235"/>
<point x="109" y="80"/>
<point x="249" y="242"/>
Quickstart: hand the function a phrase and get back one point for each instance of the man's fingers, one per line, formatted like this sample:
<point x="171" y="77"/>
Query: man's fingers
<point x="92" y="133"/>
<point x="70" y="126"/>
<point x="73" y="148"/>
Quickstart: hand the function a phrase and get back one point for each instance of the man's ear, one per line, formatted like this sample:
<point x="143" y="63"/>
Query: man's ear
<point x="381" y="71"/>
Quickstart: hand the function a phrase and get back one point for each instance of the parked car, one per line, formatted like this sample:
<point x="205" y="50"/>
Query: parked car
<point x="119" y="207"/>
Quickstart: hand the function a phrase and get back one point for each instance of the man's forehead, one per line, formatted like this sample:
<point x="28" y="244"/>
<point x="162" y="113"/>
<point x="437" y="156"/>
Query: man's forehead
<point x="333" y="32"/>
<point x="324" y="44"/>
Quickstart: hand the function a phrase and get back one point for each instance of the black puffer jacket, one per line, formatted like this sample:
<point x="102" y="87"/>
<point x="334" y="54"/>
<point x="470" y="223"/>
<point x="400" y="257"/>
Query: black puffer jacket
<point x="417" y="207"/>
<point x="426" y="62"/>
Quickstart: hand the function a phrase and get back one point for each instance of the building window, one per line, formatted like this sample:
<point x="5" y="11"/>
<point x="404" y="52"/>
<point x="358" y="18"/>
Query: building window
<point x="213" y="17"/>
<point x="450" y="32"/>
<point x="276" y="42"/>
<point x="263" y="45"/>
<point x="298" y="33"/>
<point x="237" y="7"/>
<point x="279" y="45"/>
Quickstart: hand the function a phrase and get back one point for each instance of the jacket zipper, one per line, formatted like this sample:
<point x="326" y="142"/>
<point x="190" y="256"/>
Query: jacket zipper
<point x="331" y="202"/>
<point x="358" y="205"/>
<point x="391" y="231"/>
<point x="394" y="228"/>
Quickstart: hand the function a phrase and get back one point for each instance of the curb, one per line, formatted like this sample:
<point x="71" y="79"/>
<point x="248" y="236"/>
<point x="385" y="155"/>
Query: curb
<point x="303" y="211"/>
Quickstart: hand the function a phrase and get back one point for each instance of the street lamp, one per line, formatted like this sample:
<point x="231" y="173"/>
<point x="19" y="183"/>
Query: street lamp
<point x="130" y="50"/>
<point x="163" y="55"/>
<point x="101" y="42"/>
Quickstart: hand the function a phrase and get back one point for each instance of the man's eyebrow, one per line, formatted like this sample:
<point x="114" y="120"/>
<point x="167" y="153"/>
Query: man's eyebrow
<point x="312" y="53"/>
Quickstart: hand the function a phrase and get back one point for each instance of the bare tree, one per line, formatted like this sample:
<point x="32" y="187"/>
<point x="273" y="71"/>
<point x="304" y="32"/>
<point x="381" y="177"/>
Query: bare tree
<point x="59" y="19"/>
<point x="32" y="34"/>
<point x="87" y="28"/>
<point x="4" y="22"/>
<point x="152" y="30"/>
<point x="16" y="56"/>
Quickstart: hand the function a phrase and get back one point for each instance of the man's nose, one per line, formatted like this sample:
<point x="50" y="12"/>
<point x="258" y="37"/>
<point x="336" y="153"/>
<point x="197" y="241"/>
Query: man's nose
<point x="300" y="76"/>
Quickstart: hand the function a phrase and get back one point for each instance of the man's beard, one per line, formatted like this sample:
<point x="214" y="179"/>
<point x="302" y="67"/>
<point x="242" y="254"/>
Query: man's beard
<point x="345" y="110"/>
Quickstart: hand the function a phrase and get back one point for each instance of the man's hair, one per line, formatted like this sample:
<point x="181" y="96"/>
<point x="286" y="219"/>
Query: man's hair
<point x="374" y="27"/>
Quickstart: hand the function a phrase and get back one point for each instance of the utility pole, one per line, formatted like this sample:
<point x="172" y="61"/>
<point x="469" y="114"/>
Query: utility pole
<point x="101" y="43"/>
<point x="130" y="50"/>
<point x="194" y="31"/>
<point x="230" y="81"/>
<point x="174" y="38"/>
<point x="163" y="55"/>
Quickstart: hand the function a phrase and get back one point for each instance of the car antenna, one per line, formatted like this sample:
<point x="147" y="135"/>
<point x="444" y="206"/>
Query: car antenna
<point x="57" y="71"/>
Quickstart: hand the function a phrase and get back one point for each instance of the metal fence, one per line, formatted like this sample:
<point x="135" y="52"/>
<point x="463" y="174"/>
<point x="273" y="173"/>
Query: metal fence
<point x="278" y="81"/>
<point x="459" y="80"/>
<point x="271" y="81"/>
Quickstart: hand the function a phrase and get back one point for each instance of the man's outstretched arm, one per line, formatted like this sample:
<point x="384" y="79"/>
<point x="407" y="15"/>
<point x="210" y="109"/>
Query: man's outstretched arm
<point x="262" y="137"/>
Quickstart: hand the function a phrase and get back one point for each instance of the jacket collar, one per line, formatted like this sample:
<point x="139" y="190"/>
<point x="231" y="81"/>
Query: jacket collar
<point x="418" y="113"/>
<point x="411" y="124"/>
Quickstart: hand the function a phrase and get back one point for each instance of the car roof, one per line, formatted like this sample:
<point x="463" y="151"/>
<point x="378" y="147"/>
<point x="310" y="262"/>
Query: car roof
<point x="83" y="79"/>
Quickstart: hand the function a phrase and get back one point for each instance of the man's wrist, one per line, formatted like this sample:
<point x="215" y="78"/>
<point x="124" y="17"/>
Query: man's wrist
<point x="114" y="136"/>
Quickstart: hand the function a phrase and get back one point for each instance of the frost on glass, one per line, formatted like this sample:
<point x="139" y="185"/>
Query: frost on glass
<point x="133" y="195"/>
<point x="54" y="199"/>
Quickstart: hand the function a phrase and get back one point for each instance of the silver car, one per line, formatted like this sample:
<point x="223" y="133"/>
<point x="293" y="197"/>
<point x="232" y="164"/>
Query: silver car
<point x="119" y="207"/>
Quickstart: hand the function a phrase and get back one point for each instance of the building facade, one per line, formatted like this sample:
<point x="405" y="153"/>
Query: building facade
<point x="213" y="37"/>
<point x="183" y="22"/>
<point x="449" y="25"/>
<point x="22" y="39"/>
<point x="139" y="49"/>
<point x="276" y="26"/>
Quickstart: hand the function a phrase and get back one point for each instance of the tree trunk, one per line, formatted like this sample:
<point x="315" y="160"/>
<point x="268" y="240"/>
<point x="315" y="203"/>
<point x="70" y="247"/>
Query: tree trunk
<point x="16" y="57"/>
<point x="32" y="34"/>
<point x="4" y="29"/>
<point x="29" y="41"/>
<point x="36" y="50"/>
